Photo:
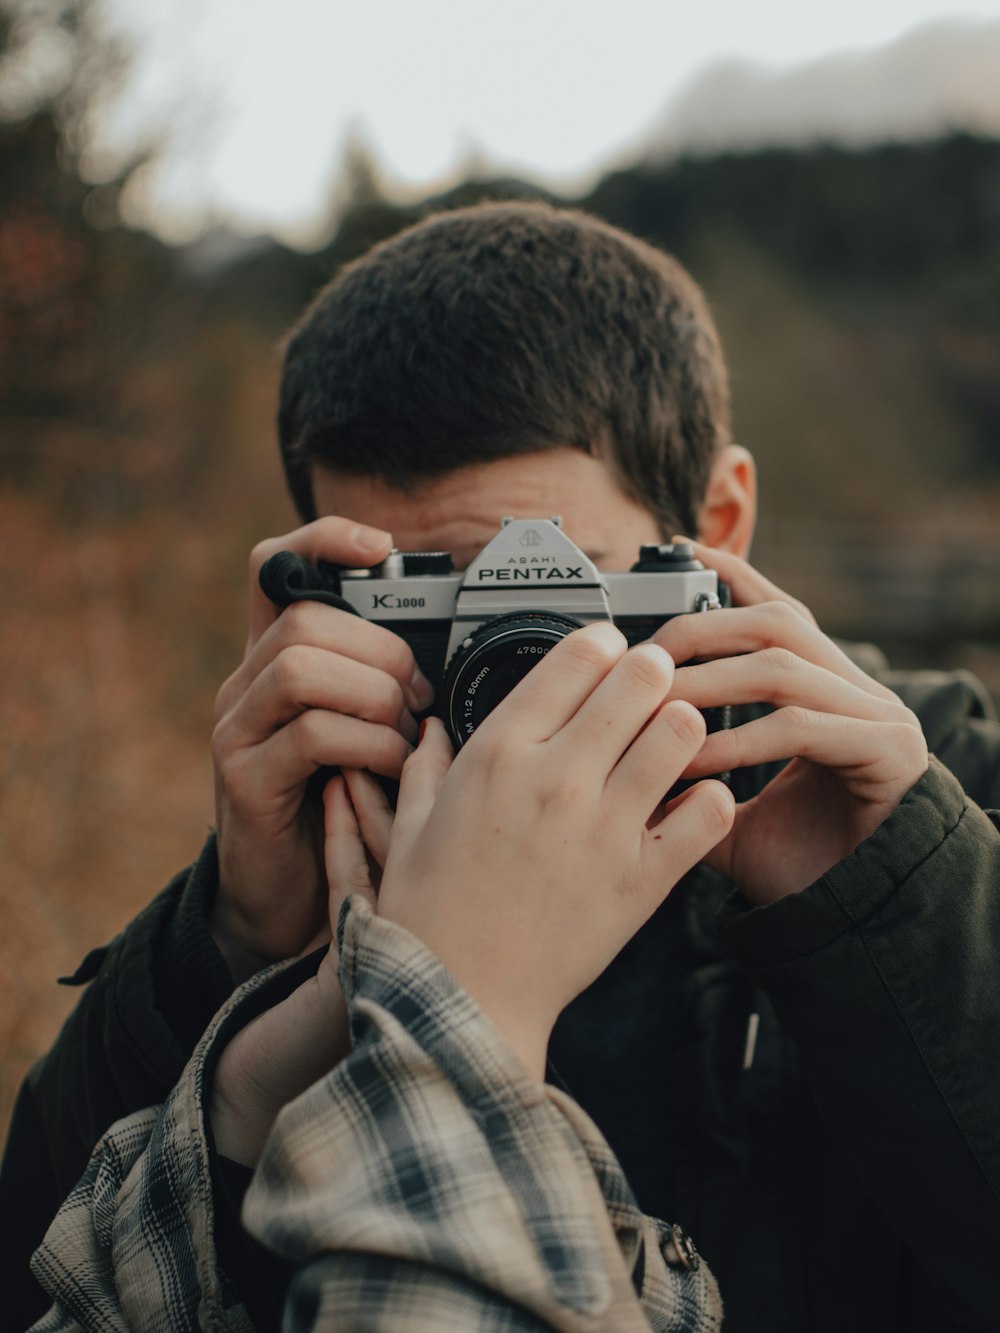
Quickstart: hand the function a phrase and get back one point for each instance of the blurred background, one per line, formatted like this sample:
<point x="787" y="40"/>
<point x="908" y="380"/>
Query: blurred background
<point x="177" y="181"/>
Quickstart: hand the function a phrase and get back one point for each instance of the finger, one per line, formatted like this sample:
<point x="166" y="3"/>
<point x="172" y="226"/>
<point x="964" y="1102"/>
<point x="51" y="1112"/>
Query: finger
<point x="338" y="633"/>
<point x="550" y="694"/>
<point x="695" y="823"/>
<point x="372" y="811"/>
<point x="741" y="630"/>
<point x="778" y="676"/>
<point x="879" y="751"/>
<point x="343" y="849"/>
<point x="720" y="857"/>
<point x="747" y="585"/>
<point x="302" y="677"/>
<point x="657" y="758"/>
<point x="423" y="774"/>
<point x="610" y="719"/>
<point x="665" y="807"/>
<point x="342" y="541"/>
<point x="261" y="775"/>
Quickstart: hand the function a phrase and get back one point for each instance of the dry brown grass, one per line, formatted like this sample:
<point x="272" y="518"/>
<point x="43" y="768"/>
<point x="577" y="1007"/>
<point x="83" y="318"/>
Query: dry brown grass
<point x="102" y="795"/>
<point x="115" y="634"/>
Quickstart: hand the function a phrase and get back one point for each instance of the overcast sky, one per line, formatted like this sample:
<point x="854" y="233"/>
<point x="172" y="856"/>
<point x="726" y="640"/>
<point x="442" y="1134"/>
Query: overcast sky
<point x="255" y="99"/>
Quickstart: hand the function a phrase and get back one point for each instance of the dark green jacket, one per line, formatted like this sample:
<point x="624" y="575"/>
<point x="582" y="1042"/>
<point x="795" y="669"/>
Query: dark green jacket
<point x="811" y="1088"/>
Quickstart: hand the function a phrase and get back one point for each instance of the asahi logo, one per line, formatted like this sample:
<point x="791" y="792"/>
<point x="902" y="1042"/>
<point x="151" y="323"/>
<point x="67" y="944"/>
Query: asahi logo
<point x="530" y="537"/>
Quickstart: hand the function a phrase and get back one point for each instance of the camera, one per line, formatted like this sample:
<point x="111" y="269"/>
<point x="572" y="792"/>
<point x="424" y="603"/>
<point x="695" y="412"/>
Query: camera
<point x="476" y="633"/>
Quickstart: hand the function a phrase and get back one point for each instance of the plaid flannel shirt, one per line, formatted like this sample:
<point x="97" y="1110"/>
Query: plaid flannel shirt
<point x="426" y="1183"/>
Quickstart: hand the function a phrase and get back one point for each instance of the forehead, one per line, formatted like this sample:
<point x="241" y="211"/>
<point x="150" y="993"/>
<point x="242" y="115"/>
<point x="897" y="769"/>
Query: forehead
<point x="461" y="511"/>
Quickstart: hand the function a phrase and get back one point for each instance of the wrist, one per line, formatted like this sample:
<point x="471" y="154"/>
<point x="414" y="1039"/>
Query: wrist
<point x="519" y="1008"/>
<point x="232" y="936"/>
<point x="240" y="1120"/>
<point x="529" y="1042"/>
<point x="521" y="1013"/>
<point x="274" y="1060"/>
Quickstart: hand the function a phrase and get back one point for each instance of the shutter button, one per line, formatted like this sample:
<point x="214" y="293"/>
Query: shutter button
<point x="679" y="1250"/>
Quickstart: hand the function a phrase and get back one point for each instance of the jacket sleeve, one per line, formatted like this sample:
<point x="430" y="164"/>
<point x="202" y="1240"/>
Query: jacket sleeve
<point x="886" y="972"/>
<point x="427" y="1182"/>
<point x="149" y="995"/>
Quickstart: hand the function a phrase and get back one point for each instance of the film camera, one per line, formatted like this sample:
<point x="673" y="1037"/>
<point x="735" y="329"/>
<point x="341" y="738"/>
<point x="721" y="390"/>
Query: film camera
<point x="477" y="633"/>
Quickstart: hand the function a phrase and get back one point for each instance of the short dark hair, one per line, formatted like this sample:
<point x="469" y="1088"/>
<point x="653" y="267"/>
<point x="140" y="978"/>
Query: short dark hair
<point x="503" y="329"/>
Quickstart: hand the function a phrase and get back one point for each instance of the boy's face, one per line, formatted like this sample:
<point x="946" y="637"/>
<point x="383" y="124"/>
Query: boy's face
<point x="461" y="511"/>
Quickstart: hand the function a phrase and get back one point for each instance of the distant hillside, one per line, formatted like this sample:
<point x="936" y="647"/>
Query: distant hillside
<point x="936" y="79"/>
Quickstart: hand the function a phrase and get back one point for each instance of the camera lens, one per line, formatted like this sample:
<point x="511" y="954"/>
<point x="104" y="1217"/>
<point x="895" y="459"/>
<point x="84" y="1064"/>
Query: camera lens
<point x="490" y="662"/>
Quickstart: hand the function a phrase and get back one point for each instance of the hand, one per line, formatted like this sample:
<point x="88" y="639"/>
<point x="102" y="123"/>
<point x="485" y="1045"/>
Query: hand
<point x="317" y="686"/>
<point x="527" y="863"/>
<point x="286" y="1049"/>
<point x="855" y="750"/>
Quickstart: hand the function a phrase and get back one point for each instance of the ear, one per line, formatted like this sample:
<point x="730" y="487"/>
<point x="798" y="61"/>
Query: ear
<point x="729" y="511"/>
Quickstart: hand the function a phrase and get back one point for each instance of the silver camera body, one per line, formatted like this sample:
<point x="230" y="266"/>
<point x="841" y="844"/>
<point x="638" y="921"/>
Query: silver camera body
<point x="477" y="632"/>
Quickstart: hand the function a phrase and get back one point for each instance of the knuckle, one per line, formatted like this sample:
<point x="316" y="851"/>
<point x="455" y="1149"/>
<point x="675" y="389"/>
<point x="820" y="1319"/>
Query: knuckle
<point x="491" y="754"/>
<point x="781" y="615"/>
<point x="563" y="794"/>
<point x="298" y="622"/>
<point x="389" y="750"/>
<point x="896" y="714"/>
<point x="910" y="719"/>
<point x="781" y="659"/>
<point x="220" y="748"/>
<point x="911" y="738"/>
<point x="397" y="657"/>
<point x="223" y="700"/>
<point x="737" y="746"/>
<point x="491" y="745"/>
<point x="390" y="702"/>
<point x="231" y="777"/>
<point x="799" y="719"/>
<point x="290" y="670"/>
<point x="308" y="731"/>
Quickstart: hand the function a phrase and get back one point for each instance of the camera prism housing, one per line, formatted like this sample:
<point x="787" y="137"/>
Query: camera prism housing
<point x="475" y="634"/>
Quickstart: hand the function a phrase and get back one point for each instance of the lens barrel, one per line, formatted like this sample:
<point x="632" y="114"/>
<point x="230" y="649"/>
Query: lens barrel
<point x="491" y="661"/>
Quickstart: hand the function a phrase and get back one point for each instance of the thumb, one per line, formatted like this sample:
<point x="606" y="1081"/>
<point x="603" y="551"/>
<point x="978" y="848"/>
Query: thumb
<point x="423" y="775"/>
<point x="372" y="811"/>
<point x="343" y="850"/>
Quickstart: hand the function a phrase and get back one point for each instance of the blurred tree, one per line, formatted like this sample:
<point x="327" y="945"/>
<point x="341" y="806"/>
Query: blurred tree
<point x="76" y="289"/>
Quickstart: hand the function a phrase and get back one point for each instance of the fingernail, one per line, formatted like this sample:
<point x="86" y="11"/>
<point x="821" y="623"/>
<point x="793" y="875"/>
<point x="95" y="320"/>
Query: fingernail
<point x="421" y="689"/>
<point x="371" y="539"/>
